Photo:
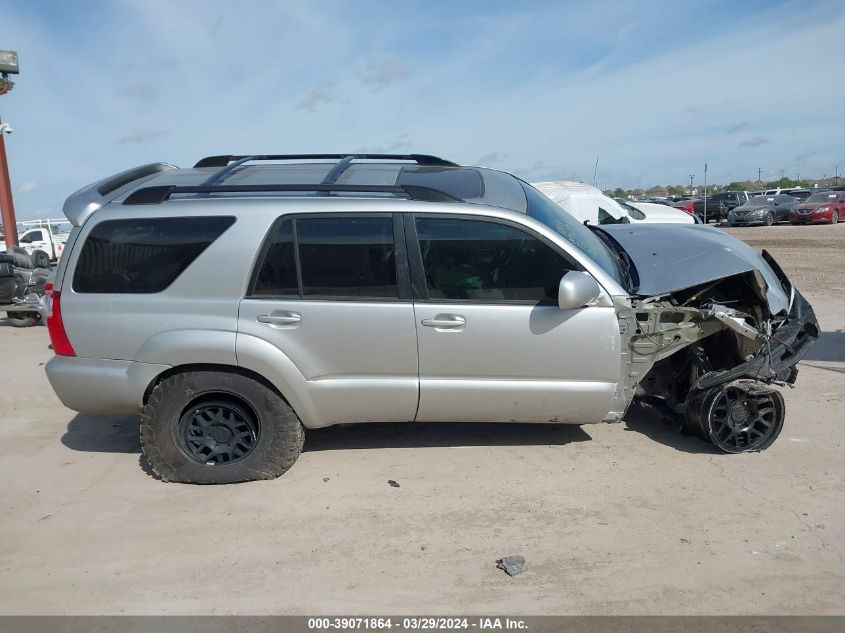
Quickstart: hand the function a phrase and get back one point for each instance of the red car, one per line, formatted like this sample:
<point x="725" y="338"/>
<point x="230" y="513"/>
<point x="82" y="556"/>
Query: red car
<point x="825" y="206"/>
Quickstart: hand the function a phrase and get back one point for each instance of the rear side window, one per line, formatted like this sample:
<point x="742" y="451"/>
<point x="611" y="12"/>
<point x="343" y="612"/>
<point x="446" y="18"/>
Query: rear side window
<point x="143" y="255"/>
<point x="342" y="258"/>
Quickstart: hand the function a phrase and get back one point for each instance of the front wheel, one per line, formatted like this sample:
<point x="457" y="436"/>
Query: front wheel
<point x="23" y="319"/>
<point x="770" y="219"/>
<point x="740" y="417"/>
<point x="210" y="427"/>
<point x="834" y="218"/>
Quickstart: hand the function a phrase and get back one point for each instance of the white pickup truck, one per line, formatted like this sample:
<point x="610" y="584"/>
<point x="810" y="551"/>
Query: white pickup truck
<point x="41" y="235"/>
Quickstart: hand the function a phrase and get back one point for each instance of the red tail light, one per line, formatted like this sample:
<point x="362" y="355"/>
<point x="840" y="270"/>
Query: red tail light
<point x="688" y="208"/>
<point x="55" y="326"/>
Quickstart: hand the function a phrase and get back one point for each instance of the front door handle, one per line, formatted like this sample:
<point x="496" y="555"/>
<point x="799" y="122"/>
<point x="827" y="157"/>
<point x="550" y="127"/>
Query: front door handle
<point x="288" y="318"/>
<point x="445" y="321"/>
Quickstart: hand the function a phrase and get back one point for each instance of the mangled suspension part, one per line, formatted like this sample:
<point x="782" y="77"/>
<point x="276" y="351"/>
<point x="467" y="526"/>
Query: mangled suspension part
<point x="737" y="417"/>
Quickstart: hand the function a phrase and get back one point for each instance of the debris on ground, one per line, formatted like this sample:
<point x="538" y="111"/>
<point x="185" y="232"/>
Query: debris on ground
<point x="511" y="565"/>
<point x="392" y="483"/>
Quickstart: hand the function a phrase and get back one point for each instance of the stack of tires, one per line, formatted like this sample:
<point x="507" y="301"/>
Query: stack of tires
<point x="20" y="279"/>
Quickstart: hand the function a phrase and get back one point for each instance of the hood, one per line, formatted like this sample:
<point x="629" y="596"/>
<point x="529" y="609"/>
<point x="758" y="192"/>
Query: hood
<point x="671" y="257"/>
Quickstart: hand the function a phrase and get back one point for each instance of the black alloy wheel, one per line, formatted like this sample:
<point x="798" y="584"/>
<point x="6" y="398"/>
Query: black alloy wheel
<point x="216" y="432"/>
<point x="740" y="417"/>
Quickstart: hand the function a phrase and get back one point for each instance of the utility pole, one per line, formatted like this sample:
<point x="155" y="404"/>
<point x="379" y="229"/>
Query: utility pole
<point x="836" y="178"/>
<point x="759" y="174"/>
<point x="8" y="66"/>
<point x="7" y="208"/>
<point x="782" y="171"/>
<point x="596" y="170"/>
<point x="691" y="176"/>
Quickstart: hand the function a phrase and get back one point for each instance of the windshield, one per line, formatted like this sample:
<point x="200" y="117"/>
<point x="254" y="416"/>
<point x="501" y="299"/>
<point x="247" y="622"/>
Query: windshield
<point x="827" y="196"/>
<point x="633" y="211"/>
<point x="542" y="209"/>
<point x="760" y="201"/>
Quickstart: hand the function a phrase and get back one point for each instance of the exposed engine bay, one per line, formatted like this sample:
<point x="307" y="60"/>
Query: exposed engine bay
<point x="710" y="354"/>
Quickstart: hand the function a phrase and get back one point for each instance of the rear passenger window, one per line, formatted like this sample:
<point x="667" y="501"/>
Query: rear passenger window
<point x="342" y="258"/>
<point x="486" y="261"/>
<point x="143" y="255"/>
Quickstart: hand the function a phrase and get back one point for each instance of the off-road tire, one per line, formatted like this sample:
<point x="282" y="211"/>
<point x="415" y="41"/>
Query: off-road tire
<point x="279" y="442"/>
<point x="23" y="319"/>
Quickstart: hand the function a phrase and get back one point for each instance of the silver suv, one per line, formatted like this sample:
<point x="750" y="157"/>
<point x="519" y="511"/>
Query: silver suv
<point x="242" y="301"/>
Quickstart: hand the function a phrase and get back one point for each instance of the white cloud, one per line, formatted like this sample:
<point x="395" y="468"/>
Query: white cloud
<point x="26" y="187"/>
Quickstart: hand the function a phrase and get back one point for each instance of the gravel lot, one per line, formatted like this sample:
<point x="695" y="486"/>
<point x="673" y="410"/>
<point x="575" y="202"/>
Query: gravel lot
<point x="612" y="519"/>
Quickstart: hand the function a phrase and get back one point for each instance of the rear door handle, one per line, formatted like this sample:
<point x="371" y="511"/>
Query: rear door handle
<point x="445" y="321"/>
<point x="288" y="318"/>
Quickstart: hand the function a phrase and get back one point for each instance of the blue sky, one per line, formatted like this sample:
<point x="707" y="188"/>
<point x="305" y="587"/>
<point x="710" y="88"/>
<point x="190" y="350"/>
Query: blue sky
<point x="535" y="88"/>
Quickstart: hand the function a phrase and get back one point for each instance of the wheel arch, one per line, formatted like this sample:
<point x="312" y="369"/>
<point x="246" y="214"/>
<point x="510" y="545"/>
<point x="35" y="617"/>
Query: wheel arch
<point x="217" y="367"/>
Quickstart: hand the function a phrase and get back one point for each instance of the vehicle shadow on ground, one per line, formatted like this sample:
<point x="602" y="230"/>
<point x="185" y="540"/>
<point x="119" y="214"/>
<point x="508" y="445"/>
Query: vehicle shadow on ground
<point x="119" y="434"/>
<point x="103" y="433"/>
<point x="441" y="434"/>
<point x="829" y="347"/>
<point x="656" y="425"/>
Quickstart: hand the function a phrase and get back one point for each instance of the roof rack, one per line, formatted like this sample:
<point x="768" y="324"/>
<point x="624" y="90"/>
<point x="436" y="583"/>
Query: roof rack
<point x="421" y="159"/>
<point x="160" y="193"/>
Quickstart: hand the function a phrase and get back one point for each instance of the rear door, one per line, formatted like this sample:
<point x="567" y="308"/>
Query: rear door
<point x="493" y="344"/>
<point x="332" y="294"/>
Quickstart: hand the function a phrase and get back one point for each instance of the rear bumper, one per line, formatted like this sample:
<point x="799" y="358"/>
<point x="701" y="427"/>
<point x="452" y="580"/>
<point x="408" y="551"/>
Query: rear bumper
<point x="93" y="385"/>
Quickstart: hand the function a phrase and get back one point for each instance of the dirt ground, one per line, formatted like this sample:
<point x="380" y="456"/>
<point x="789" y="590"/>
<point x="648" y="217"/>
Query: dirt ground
<point x="628" y="518"/>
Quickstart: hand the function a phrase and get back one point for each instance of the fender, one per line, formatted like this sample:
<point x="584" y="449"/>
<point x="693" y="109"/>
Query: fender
<point x="269" y="361"/>
<point x="189" y="347"/>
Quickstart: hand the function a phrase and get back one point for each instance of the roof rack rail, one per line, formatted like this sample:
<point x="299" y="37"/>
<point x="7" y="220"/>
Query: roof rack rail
<point x="421" y="159"/>
<point x="160" y="193"/>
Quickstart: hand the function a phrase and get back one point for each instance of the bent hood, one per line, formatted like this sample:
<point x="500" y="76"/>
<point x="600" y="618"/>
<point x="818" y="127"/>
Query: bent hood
<point x="669" y="258"/>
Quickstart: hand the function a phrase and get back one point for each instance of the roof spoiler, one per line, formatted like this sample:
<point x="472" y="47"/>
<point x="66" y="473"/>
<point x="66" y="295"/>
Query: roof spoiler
<point x="81" y="204"/>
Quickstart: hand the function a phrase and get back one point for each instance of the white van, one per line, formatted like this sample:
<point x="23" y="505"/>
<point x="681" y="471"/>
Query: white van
<point x="589" y="204"/>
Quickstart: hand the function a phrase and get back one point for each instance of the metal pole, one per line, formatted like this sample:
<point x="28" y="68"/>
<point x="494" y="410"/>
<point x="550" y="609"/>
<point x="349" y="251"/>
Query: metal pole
<point x="705" y="193"/>
<point x="7" y="208"/>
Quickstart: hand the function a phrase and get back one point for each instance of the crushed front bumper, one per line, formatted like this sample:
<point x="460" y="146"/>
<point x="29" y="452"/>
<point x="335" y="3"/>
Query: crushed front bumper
<point x="776" y="360"/>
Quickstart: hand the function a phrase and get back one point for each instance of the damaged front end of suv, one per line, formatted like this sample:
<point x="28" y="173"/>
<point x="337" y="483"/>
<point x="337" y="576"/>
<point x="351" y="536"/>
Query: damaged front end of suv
<point x="710" y="327"/>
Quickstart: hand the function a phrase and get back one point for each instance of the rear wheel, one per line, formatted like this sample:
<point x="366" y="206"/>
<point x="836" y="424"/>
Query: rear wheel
<point x="23" y="319"/>
<point x="739" y="417"/>
<point x="210" y="427"/>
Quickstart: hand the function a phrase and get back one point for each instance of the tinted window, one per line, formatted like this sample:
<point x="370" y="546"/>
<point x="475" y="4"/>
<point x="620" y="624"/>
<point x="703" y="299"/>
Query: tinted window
<point x="143" y="255"/>
<point x="350" y="257"/>
<point x="277" y="275"/>
<point x="486" y="261"/>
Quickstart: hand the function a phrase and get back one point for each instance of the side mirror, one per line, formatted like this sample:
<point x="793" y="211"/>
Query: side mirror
<point x="576" y="290"/>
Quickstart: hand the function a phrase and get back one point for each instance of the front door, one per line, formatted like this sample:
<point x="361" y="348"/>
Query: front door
<point x="493" y="344"/>
<point x="331" y="294"/>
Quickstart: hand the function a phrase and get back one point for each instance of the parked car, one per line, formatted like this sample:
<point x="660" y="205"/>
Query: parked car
<point x="719" y="204"/>
<point x="587" y="203"/>
<point x="800" y="193"/>
<point x="41" y="236"/>
<point x="658" y="213"/>
<point x="766" y="210"/>
<point x="687" y="205"/>
<point x="238" y="303"/>
<point x="825" y="206"/>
